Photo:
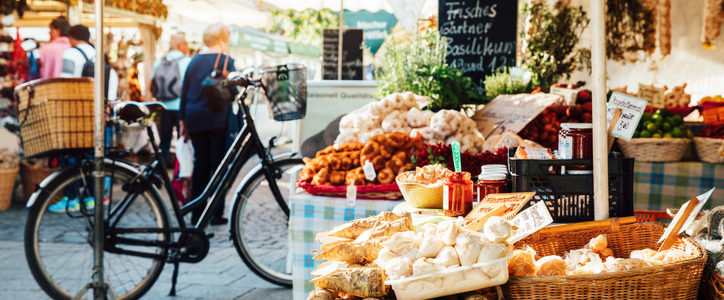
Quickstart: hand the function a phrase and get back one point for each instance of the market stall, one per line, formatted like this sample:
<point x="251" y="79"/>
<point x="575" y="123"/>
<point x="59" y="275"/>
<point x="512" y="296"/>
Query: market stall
<point x="652" y="150"/>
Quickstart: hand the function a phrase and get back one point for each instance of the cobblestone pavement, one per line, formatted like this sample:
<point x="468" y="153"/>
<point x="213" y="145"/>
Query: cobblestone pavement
<point x="221" y="275"/>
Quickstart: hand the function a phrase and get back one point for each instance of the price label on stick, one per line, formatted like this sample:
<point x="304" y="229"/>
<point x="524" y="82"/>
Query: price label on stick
<point x="529" y="221"/>
<point x="632" y="109"/>
<point x="686" y="215"/>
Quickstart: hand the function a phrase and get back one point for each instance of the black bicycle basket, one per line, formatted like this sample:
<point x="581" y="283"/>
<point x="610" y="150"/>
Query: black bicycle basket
<point x="285" y="87"/>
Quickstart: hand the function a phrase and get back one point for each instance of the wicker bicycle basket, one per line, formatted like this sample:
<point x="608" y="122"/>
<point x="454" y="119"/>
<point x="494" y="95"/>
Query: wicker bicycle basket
<point x="655" y="149"/>
<point x="55" y="114"/>
<point x="7" y="183"/>
<point x="708" y="149"/>
<point x="680" y="280"/>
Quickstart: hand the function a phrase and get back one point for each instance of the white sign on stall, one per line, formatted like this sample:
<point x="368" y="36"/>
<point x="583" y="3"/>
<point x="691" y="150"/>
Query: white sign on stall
<point x="512" y="112"/>
<point x="632" y="109"/>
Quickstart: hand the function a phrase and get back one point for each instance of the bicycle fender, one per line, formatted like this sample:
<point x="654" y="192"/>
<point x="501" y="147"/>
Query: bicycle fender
<point x="62" y="173"/>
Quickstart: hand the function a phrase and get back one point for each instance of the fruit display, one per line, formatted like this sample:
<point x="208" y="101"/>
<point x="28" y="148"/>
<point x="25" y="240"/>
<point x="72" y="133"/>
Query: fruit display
<point x="661" y="124"/>
<point x="544" y="128"/>
<point x="712" y="131"/>
<point x="716" y="99"/>
<point x="400" y="113"/>
<point x="388" y="154"/>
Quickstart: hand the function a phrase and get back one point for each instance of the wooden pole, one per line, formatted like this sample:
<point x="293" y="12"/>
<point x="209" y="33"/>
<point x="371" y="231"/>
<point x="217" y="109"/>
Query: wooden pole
<point x="600" y="134"/>
<point x="340" y="38"/>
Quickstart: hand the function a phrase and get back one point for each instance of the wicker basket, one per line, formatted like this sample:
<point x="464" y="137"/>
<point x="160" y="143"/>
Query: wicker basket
<point x="708" y="149"/>
<point x="421" y="196"/>
<point x="712" y="285"/>
<point x="31" y="175"/>
<point x="55" y="114"/>
<point x="680" y="280"/>
<point x="7" y="183"/>
<point x="654" y="149"/>
<point x="370" y="192"/>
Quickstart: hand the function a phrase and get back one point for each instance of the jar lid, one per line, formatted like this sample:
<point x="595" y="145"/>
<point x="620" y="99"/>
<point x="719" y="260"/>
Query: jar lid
<point x="492" y="176"/>
<point x="493" y="168"/>
<point x="576" y="125"/>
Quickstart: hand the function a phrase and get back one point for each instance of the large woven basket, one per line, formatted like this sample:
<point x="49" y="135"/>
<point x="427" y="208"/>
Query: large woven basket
<point x="680" y="280"/>
<point x="31" y="175"/>
<point x="708" y="149"/>
<point x="55" y="114"/>
<point x="7" y="182"/>
<point x="655" y="149"/>
<point x="712" y="285"/>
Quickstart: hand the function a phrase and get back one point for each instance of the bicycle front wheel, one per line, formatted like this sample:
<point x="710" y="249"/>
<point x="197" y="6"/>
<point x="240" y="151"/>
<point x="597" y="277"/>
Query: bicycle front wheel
<point x="259" y="223"/>
<point x="59" y="233"/>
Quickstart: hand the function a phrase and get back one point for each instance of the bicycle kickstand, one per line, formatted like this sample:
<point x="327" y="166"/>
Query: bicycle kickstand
<point x="172" y="292"/>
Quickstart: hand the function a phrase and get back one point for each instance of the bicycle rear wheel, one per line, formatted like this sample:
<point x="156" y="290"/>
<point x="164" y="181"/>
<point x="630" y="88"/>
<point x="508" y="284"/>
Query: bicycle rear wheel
<point x="259" y="225"/>
<point x="58" y="244"/>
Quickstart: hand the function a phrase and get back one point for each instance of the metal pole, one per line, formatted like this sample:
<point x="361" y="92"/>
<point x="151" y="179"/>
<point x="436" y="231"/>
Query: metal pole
<point x="339" y="40"/>
<point x="600" y="133"/>
<point x="99" y="286"/>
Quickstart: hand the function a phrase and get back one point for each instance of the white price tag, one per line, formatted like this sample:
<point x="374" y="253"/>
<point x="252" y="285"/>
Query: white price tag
<point x="351" y="195"/>
<point x="529" y="221"/>
<point x="369" y="170"/>
<point x="631" y="111"/>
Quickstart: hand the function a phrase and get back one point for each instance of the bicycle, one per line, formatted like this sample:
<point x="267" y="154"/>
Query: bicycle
<point x="139" y="239"/>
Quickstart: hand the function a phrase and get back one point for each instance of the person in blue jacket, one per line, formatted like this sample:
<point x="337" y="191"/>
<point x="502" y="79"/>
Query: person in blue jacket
<point x="205" y="127"/>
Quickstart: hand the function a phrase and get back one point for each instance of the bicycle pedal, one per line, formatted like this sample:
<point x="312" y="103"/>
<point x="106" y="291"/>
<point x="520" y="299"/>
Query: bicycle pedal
<point x="210" y="235"/>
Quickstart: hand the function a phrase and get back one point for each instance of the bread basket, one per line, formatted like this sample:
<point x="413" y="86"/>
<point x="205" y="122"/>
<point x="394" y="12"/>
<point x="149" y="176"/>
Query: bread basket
<point x="421" y="195"/>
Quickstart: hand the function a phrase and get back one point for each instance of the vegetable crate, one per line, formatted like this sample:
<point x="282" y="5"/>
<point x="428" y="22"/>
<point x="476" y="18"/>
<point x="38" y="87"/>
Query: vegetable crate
<point x="55" y="114"/>
<point x="714" y="115"/>
<point x="568" y="193"/>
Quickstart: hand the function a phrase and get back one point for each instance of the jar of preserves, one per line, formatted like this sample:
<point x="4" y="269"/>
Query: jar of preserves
<point x="575" y="141"/>
<point x="491" y="183"/>
<point x="457" y="194"/>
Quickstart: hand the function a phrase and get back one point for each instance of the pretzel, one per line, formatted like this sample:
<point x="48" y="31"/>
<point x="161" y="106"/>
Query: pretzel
<point x="385" y="176"/>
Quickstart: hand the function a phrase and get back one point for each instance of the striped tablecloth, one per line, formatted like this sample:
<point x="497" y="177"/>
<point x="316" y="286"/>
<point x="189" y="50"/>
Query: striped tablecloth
<point x="314" y="214"/>
<point x="658" y="186"/>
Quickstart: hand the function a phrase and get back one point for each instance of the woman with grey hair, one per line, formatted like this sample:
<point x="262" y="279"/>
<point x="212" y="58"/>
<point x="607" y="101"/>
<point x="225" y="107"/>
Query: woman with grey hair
<point x="205" y="124"/>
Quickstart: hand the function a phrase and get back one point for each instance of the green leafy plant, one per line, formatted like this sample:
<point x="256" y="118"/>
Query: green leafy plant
<point x="420" y="67"/>
<point x="502" y="83"/>
<point x="304" y="26"/>
<point x="551" y="37"/>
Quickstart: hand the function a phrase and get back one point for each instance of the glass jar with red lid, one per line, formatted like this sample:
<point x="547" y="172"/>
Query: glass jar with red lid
<point x="457" y="194"/>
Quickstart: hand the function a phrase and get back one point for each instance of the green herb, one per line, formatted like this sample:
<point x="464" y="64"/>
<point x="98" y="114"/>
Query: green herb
<point x="502" y="83"/>
<point x="420" y="67"/>
<point x="551" y="39"/>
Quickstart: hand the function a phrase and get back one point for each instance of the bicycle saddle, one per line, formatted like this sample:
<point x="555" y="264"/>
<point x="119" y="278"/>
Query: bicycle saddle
<point x="131" y="111"/>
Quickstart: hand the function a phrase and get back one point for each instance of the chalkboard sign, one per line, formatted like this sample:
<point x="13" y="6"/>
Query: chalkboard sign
<point x="482" y="35"/>
<point x="352" y="67"/>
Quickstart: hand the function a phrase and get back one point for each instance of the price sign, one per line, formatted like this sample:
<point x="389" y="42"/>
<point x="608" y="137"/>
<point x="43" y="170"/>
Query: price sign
<point x="631" y="110"/>
<point x="512" y="112"/>
<point x="529" y="221"/>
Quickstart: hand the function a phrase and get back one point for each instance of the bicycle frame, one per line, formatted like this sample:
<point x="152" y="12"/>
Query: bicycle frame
<point x="245" y="145"/>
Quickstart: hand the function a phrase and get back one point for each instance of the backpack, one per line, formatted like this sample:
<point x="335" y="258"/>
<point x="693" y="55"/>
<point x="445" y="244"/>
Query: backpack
<point x="89" y="71"/>
<point x="166" y="82"/>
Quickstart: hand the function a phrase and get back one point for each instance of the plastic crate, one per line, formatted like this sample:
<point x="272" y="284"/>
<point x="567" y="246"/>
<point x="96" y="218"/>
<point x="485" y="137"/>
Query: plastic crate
<point x="569" y="197"/>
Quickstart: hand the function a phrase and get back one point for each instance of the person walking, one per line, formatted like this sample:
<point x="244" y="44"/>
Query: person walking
<point x="51" y="54"/>
<point x="202" y="120"/>
<point x="78" y="60"/>
<point x="166" y="84"/>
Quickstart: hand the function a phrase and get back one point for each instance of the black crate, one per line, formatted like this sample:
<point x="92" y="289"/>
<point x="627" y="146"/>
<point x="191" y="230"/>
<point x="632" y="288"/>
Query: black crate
<point x="570" y="197"/>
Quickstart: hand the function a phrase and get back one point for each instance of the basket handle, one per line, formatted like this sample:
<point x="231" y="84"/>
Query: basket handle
<point x="31" y="95"/>
<point x="613" y="224"/>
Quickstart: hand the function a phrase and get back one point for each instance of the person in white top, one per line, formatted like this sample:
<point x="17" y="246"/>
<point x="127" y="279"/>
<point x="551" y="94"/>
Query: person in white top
<point x="81" y="51"/>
